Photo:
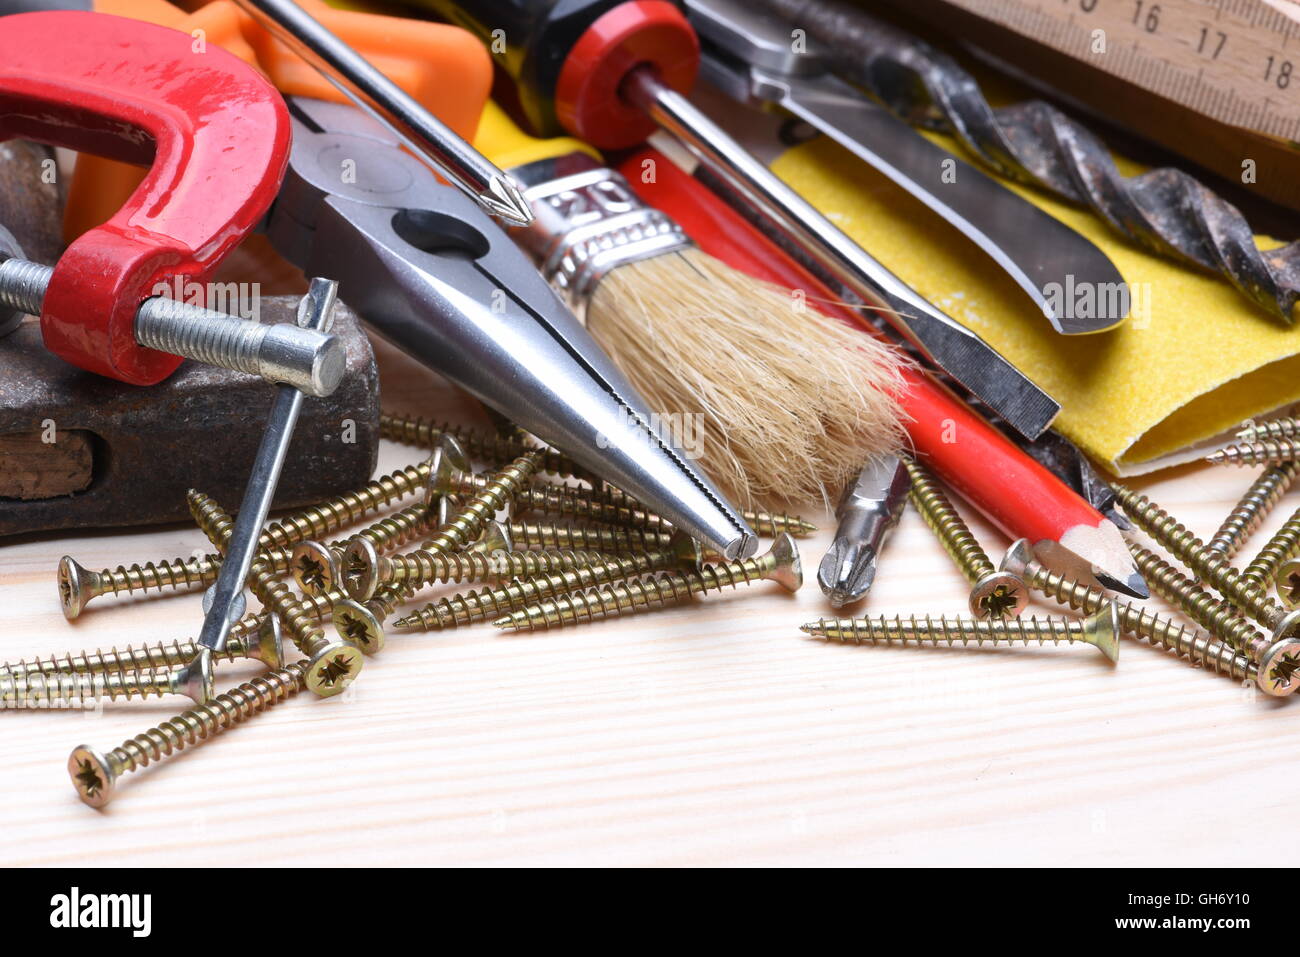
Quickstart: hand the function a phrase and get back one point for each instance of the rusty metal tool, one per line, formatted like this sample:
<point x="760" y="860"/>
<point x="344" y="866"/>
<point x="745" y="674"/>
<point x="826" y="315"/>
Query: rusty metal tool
<point x="1165" y="210"/>
<point x="748" y="54"/>
<point x="869" y="510"/>
<point x="82" y="451"/>
<point x="224" y="602"/>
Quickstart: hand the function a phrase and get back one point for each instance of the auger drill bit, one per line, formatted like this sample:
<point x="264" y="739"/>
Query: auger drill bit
<point x="1165" y="210"/>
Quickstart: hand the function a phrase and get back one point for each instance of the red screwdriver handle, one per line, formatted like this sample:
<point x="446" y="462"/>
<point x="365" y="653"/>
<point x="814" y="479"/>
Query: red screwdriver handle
<point x="567" y="61"/>
<point x="213" y="131"/>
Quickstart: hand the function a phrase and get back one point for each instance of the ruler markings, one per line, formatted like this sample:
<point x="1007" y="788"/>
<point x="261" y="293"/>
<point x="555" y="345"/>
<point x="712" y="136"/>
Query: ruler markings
<point x="1239" y="52"/>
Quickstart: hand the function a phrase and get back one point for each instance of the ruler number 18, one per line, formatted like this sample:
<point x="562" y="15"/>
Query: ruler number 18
<point x="1151" y="22"/>
<point x="1282" y="75"/>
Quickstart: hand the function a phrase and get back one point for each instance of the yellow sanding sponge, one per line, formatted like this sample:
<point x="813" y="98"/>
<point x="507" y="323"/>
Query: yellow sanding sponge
<point x="1194" y="358"/>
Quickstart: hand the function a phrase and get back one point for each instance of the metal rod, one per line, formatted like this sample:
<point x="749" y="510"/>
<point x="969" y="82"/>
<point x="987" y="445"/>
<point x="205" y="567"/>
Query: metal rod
<point x="942" y="340"/>
<point x="427" y="136"/>
<point x="224" y="600"/>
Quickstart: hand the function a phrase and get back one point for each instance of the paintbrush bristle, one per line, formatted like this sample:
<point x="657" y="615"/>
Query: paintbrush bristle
<point x="779" y="401"/>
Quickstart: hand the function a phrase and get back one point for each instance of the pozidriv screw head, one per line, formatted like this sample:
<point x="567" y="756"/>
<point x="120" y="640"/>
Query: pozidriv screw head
<point x="92" y="775"/>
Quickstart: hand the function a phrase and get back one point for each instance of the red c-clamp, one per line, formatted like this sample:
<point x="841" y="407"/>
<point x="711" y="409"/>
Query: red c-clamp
<point x="214" y="132"/>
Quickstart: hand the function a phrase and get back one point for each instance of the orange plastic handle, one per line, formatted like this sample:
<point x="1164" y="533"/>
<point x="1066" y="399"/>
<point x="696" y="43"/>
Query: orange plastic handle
<point x="444" y="67"/>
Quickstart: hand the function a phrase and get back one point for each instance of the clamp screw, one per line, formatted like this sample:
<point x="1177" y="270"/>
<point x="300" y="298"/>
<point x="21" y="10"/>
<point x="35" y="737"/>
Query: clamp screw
<point x="312" y="362"/>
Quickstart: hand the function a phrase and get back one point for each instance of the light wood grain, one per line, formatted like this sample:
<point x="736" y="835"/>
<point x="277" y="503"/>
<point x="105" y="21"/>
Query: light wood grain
<point x="709" y="734"/>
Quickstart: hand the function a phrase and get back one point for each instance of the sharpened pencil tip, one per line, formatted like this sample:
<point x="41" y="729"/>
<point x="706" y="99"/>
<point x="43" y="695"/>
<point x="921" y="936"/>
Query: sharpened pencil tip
<point x="1132" y="585"/>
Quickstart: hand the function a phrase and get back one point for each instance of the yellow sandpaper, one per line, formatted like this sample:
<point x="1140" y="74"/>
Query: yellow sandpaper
<point x="1195" y="358"/>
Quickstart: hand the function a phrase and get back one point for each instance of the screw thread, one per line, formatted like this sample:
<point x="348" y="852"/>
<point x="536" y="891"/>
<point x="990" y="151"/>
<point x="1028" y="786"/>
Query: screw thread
<point x="1209" y="566"/>
<point x="479" y="445"/>
<point x="295" y="616"/>
<point x="1260" y="452"/>
<point x="483" y="505"/>
<point x="1160" y="630"/>
<point x="945" y="630"/>
<point x="320" y="520"/>
<point x="480" y="605"/>
<point x="200" y="334"/>
<point x="151" y="657"/>
<point x="947" y="525"/>
<point x="1287" y="428"/>
<point x="529" y="535"/>
<point x="621" y="597"/>
<point x="394" y="531"/>
<point x="767" y="524"/>
<point x="1264" y="493"/>
<point x="1219" y="617"/>
<point x="1285" y="544"/>
<point x="70" y="689"/>
<point x="198" y="724"/>
<point x="23" y="285"/>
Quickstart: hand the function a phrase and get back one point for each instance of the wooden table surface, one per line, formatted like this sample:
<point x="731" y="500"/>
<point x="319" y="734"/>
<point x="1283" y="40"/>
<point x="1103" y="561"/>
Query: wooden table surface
<point x="714" y="733"/>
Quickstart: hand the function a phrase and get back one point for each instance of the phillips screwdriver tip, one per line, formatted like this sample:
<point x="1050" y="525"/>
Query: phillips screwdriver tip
<point x="846" y="572"/>
<point x="504" y="200"/>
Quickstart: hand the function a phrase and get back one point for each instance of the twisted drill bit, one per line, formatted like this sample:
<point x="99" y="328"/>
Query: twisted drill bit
<point x="1164" y="211"/>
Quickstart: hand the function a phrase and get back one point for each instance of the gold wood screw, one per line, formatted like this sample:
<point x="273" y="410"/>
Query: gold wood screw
<point x="1286" y="428"/>
<point x="1209" y="566"/>
<point x="780" y="564"/>
<point x="1160" y="630"/>
<point x="1262" y="452"/>
<point x="480" y="605"/>
<point x="95" y="775"/>
<point x="611" y="540"/>
<point x="480" y="445"/>
<point x="317" y="568"/>
<point x="609" y="506"/>
<point x="333" y="665"/>
<point x="995" y="594"/>
<point x="255" y="636"/>
<point x="194" y="680"/>
<point x="1263" y="568"/>
<point x="482" y="506"/>
<point x="1277" y="664"/>
<point x="1101" y="630"/>
<point x="1249" y="512"/>
<point x="1288" y="583"/>
<point x="78" y="586"/>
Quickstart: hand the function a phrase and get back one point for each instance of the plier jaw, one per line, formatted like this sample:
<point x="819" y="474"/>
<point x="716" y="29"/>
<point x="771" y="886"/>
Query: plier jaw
<point x="433" y="274"/>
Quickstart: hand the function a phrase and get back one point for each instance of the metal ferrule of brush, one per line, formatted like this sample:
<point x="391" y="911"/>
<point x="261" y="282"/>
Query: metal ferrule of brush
<point x="588" y="222"/>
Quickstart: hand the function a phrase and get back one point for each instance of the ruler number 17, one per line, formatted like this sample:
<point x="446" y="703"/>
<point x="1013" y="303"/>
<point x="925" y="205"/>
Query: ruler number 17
<point x="1211" y="46"/>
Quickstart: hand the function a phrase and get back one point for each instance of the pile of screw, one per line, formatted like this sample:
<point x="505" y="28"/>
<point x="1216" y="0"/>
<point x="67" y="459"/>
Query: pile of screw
<point x="609" y="556"/>
<point x="1230" y="644"/>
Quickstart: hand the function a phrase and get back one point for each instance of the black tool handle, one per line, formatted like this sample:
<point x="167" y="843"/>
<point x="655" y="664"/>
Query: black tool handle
<point x="530" y="41"/>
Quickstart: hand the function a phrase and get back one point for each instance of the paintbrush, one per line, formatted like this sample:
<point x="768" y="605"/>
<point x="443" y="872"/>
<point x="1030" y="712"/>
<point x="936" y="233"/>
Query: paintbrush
<point x="778" y="401"/>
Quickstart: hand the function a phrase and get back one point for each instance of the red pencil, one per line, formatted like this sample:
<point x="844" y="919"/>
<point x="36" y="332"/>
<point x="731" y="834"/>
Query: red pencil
<point x="1013" y="491"/>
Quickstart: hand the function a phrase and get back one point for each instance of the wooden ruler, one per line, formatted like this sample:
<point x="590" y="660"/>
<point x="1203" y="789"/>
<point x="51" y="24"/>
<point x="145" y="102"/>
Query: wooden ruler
<point x="1236" y="61"/>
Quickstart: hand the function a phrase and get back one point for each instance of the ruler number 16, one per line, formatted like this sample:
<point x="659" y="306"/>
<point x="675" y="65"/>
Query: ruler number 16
<point x="1151" y="22"/>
